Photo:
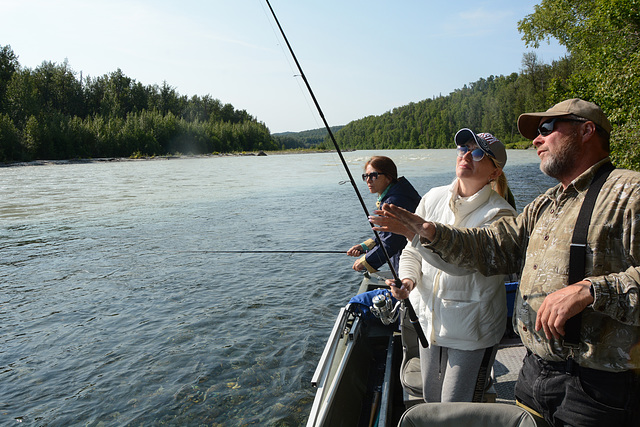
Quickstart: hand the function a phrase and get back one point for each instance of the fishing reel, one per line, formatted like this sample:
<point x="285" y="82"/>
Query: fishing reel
<point x="384" y="309"/>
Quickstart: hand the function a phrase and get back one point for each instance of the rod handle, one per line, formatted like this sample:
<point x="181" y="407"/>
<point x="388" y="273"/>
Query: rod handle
<point x="413" y="317"/>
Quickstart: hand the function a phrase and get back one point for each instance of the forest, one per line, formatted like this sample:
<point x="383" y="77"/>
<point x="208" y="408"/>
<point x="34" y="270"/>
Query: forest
<point x="306" y="139"/>
<point x="52" y="113"/>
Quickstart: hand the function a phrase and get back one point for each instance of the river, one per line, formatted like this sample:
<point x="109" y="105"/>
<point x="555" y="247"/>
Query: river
<point x="116" y="309"/>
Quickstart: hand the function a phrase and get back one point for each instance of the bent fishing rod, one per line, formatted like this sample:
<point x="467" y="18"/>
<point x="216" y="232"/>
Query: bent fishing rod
<point x="263" y="252"/>
<point x="409" y="307"/>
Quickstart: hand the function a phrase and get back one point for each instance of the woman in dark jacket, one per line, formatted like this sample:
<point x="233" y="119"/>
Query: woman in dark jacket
<point x="381" y="176"/>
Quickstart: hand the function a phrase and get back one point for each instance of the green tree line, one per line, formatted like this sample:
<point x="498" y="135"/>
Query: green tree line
<point x="51" y="113"/>
<point x="305" y="139"/>
<point x="602" y="38"/>
<point x="492" y="104"/>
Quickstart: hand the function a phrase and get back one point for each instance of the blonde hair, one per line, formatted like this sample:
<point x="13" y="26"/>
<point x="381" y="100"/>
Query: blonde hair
<point x="500" y="185"/>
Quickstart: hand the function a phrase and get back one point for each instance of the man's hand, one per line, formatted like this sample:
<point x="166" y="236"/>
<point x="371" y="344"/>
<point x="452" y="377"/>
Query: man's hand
<point x="560" y="306"/>
<point x="397" y="220"/>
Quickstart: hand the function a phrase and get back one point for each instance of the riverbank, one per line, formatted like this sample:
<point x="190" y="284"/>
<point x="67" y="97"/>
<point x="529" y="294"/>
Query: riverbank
<point x="187" y="156"/>
<point x="166" y="157"/>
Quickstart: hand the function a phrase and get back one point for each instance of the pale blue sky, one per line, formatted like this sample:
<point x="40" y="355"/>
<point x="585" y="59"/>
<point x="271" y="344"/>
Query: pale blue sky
<point x="361" y="57"/>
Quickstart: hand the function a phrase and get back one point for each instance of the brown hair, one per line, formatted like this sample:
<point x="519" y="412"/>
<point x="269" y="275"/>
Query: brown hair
<point x="383" y="165"/>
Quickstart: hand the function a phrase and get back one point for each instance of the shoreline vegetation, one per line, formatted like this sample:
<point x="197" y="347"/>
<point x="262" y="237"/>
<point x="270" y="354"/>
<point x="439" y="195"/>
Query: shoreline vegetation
<point x="51" y="113"/>
<point x="188" y="156"/>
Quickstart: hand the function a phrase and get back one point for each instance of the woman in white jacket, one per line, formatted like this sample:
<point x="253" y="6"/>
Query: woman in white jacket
<point x="462" y="313"/>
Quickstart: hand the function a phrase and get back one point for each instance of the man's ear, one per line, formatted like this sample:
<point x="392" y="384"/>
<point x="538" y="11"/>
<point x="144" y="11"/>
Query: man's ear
<point x="588" y="130"/>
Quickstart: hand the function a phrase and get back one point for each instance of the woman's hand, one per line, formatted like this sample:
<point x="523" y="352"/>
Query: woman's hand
<point x="355" y="251"/>
<point x="402" y="292"/>
<point x="394" y="219"/>
<point x="358" y="265"/>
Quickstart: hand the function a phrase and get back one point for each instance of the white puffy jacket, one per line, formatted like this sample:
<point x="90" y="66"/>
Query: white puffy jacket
<point x="457" y="308"/>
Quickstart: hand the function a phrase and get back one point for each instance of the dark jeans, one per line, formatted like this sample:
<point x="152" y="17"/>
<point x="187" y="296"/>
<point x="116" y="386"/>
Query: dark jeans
<point x="569" y="395"/>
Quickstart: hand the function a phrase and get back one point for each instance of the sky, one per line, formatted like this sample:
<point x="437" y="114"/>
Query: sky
<point x="360" y="57"/>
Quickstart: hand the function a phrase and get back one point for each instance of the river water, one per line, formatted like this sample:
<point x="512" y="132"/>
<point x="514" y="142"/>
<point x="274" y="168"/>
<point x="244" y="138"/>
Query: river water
<point x="116" y="310"/>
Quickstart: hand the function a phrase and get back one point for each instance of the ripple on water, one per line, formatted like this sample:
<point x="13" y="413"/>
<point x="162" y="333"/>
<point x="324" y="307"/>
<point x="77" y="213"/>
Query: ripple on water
<point x="114" y="312"/>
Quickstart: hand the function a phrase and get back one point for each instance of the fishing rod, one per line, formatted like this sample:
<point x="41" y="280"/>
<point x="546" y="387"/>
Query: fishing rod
<point x="409" y="307"/>
<point x="265" y="252"/>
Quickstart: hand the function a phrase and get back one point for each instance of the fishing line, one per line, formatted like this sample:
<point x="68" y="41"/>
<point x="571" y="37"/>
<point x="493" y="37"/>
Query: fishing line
<point x="295" y="75"/>
<point x="412" y="314"/>
<point x="293" y="71"/>
<point x="265" y="252"/>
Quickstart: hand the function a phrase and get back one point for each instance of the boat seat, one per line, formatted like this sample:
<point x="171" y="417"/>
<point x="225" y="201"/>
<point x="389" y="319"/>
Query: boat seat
<point x="410" y="376"/>
<point x="463" y="414"/>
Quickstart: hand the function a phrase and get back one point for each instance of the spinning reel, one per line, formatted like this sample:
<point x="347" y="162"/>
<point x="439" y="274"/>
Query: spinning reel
<point x="384" y="309"/>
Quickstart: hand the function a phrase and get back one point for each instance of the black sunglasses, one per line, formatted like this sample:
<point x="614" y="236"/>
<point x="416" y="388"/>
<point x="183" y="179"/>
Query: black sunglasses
<point x="548" y="127"/>
<point x="372" y="175"/>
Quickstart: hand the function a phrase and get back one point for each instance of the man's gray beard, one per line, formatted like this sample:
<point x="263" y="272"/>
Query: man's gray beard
<point x="557" y="165"/>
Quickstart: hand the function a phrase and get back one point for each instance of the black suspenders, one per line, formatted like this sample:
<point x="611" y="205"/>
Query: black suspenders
<point x="578" y="248"/>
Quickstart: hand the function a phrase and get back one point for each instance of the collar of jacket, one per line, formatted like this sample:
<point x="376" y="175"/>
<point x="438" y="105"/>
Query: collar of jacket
<point x="384" y="194"/>
<point x="579" y="185"/>
<point x="462" y="206"/>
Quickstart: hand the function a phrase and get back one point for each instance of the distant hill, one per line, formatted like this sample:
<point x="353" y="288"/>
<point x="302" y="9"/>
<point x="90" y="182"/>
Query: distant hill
<point x="305" y="139"/>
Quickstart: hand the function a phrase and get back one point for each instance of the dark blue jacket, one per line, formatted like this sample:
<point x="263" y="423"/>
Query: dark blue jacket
<point x="400" y="194"/>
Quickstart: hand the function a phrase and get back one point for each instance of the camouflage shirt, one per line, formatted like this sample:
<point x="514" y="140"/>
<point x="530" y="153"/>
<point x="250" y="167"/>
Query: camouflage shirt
<point x="537" y="243"/>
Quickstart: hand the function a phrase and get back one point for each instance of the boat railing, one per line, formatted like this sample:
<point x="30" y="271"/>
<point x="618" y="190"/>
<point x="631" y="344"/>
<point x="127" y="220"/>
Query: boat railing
<point x="324" y="398"/>
<point x="330" y="348"/>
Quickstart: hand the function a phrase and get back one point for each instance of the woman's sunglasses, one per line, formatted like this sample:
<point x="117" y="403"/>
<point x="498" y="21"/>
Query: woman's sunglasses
<point x="372" y="175"/>
<point x="548" y="127"/>
<point x="476" y="154"/>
